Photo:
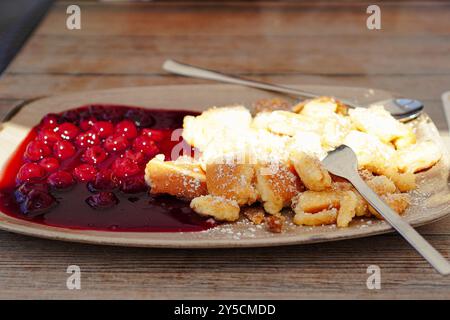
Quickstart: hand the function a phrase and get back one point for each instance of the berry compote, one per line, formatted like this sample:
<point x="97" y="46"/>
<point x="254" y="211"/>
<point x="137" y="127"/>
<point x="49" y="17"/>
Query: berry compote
<point x="84" y="169"/>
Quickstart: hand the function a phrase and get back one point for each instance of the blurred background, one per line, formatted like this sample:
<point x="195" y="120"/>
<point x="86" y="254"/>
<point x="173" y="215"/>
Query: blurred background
<point x="18" y="18"/>
<point x="124" y="43"/>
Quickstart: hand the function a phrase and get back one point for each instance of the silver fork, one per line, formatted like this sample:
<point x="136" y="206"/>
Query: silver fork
<point x="401" y="108"/>
<point x="342" y="162"/>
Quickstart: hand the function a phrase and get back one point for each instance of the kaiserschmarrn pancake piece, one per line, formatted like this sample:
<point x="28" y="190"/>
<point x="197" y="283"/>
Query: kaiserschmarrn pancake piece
<point x="325" y="207"/>
<point x="324" y="217"/>
<point x="284" y="122"/>
<point x="378" y="122"/>
<point x="324" y="105"/>
<point x="217" y="207"/>
<point x="418" y="157"/>
<point x="381" y="185"/>
<point x="398" y="202"/>
<point x="311" y="171"/>
<point x="403" y="181"/>
<point x="328" y="114"/>
<point x="347" y="208"/>
<point x="308" y="142"/>
<point x="214" y="122"/>
<point x="372" y="154"/>
<point x="316" y="201"/>
<point x="277" y="184"/>
<point x="178" y="178"/>
<point x="361" y="208"/>
<point x="232" y="180"/>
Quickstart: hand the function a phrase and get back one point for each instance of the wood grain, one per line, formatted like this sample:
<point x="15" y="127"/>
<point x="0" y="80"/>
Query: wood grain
<point x="286" y="42"/>
<point x="315" y="271"/>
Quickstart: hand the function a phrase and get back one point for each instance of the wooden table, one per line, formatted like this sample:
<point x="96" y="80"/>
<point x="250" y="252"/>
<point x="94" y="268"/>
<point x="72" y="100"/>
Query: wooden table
<point x="306" y="42"/>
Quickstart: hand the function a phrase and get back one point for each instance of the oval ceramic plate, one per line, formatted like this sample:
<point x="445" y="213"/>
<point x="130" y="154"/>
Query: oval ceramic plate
<point x="431" y="201"/>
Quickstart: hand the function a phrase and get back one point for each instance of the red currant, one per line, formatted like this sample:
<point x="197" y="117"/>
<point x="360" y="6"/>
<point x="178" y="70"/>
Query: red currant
<point x="145" y="145"/>
<point x="37" y="150"/>
<point x="37" y="202"/>
<point x="102" y="200"/>
<point x="30" y="171"/>
<point x="124" y="167"/>
<point x="87" y="139"/>
<point x="104" y="181"/>
<point x="50" y="121"/>
<point x="61" y="180"/>
<point x="133" y="184"/>
<point x="127" y="129"/>
<point x="63" y="150"/>
<point x="49" y="137"/>
<point x="155" y="135"/>
<point x="71" y="116"/>
<point x="50" y="164"/>
<point x="135" y="156"/>
<point x="67" y="130"/>
<point x="116" y="143"/>
<point x="103" y="128"/>
<point x="87" y="124"/>
<point x="25" y="188"/>
<point x="94" y="155"/>
<point x="140" y="117"/>
<point x="85" y="172"/>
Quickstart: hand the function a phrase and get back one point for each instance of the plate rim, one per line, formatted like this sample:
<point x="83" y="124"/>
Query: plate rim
<point x="97" y="237"/>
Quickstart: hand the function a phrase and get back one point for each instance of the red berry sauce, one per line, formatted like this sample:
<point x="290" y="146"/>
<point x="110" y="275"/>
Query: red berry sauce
<point x="84" y="169"/>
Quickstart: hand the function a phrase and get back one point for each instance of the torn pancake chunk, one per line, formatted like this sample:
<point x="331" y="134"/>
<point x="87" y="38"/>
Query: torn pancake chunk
<point x="398" y="202"/>
<point x="325" y="105"/>
<point x="378" y="122"/>
<point x="418" y="157"/>
<point x="324" y="217"/>
<point x="178" y="178"/>
<point x="347" y="209"/>
<point x="217" y="207"/>
<point x="284" y="123"/>
<point x="404" y="181"/>
<point x="311" y="171"/>
<point x="277" y="184"/>
<point x="215" y="122"/>
<point x="232" y="179"/>
<point x="314" y="208"/>
<point x="315" y="201"/>
<point x="372" y="153"/>
<point x="381" y="185"/>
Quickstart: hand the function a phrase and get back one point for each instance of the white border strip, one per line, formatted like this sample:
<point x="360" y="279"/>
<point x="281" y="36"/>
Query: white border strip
<point x="446" y="103"/>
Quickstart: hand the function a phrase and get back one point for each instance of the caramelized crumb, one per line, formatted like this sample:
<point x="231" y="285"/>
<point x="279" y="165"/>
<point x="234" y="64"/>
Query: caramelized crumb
<point x="275" y="223"/>
<point x="254" y="214"/>
<point x="266" y="105"/>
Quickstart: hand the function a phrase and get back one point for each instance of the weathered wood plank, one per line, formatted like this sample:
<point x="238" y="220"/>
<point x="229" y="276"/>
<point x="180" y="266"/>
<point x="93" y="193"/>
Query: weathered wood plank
<point x="323" y="55"/>
<point x="332" y="270"/>
<point x="270" y="18"/>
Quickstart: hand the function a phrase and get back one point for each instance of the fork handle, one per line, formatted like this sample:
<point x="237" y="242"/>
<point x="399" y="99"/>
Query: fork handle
<point x="404" y="228"/>
<point x="196" y="72"/>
